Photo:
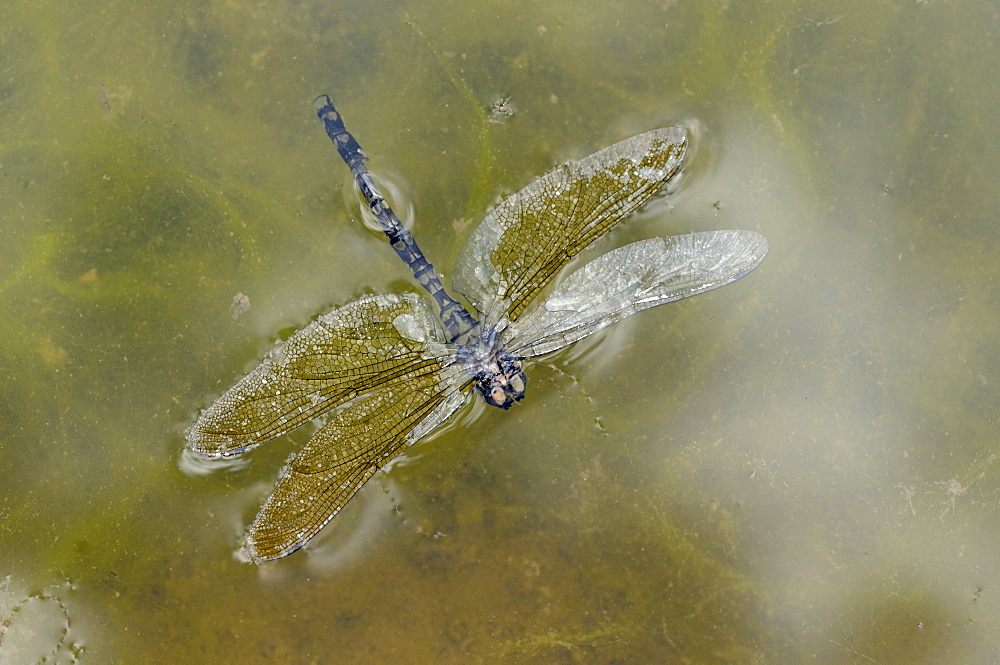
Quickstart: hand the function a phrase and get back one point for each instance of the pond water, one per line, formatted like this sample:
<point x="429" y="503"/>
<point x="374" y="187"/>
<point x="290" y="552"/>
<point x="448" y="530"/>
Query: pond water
<point x="799" y="467"/>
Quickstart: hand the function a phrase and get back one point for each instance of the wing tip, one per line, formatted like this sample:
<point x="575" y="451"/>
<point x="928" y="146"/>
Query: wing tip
<point x="263" y="543"/>
<point x="256" y="554"/>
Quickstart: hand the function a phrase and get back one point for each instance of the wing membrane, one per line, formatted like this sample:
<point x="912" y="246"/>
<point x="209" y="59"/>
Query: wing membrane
<point x="633" y="278"/>
<point x="529" y="236"/>
<point x="373" y="343"/>
<point x="345" y="453"/>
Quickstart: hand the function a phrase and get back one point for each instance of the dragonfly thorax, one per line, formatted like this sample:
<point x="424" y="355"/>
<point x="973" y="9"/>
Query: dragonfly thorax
<point x="498" y="374"/>
<point x="501" y="380"/>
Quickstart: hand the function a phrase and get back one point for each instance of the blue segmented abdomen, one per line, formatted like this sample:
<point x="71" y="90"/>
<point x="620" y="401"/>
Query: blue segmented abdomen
<point x="454" y="316"/>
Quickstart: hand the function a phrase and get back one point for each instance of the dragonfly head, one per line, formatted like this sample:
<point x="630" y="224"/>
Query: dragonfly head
<point x="502" y="381"/>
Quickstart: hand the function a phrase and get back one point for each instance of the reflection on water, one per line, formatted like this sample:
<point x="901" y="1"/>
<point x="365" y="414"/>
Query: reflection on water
<point x="201" y="465"/>
<point x="802" y="467"/>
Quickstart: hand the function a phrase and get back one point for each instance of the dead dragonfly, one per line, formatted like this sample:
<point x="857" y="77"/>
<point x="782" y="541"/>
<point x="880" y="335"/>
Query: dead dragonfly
<point x="386" y="370"/>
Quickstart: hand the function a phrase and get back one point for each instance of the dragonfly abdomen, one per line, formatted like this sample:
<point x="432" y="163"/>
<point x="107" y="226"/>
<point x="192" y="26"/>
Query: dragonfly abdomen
<point x="456" y="319"/>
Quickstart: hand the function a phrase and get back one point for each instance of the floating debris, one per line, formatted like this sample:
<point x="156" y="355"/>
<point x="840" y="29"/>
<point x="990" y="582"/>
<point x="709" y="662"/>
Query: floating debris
<point x="241" y="304"/>
<point x="35" y="628"/>
<point x="112" y="103"/>
<point x="502" y="110"/>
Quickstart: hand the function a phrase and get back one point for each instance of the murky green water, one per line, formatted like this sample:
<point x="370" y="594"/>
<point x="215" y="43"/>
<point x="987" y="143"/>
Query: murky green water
<point x="801" y="467"/>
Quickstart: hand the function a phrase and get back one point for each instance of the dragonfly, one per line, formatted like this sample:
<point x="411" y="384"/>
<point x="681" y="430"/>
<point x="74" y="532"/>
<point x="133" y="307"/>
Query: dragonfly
<point x="382" y="372"/>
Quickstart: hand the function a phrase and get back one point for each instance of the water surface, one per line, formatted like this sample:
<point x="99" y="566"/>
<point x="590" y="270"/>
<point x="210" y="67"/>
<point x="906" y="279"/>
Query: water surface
<point x="801" y="466"/>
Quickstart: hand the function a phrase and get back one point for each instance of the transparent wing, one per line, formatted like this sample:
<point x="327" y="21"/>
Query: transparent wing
<point x="345" y="453"/>
<point x="633" y="278"/>
<point x="373" y="343"/>
<point x="529" y="236"/>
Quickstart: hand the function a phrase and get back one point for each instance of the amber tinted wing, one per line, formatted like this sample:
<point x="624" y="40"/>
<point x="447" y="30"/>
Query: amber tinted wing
<point x="346" y="452"/>
<point x="529" y="236"/>
<point x="370" y="344"/>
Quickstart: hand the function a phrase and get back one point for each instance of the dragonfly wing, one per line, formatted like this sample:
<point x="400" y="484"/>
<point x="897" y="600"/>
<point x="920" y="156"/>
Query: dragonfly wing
<point x="346" y="452"/>
<point x="371" y="343"/>
<point x="529" y="236"/>
<point x="633" y="278"/>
